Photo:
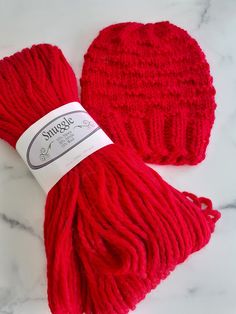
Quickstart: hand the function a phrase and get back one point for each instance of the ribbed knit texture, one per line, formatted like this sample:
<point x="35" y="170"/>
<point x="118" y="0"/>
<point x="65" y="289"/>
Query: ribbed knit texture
<point x="149" y="87"/>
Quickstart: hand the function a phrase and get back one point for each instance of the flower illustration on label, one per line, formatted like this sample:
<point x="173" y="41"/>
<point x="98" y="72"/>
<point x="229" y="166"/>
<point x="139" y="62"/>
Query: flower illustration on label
<point x="85" y="124"/>
<point x="44" y="152"/>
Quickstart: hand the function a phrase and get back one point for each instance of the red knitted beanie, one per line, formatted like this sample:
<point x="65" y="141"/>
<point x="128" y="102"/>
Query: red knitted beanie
<point x="149" y="87"/>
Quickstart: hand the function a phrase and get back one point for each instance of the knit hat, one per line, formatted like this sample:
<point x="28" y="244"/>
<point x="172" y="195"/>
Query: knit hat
<point x="149" y="87"/>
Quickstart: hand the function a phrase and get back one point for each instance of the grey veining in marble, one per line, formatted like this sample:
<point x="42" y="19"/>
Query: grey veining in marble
<point x="206" y="282"/>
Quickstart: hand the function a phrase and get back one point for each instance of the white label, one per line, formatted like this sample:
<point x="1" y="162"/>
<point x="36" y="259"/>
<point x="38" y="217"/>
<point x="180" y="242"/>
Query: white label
<point x="57" y="142"/>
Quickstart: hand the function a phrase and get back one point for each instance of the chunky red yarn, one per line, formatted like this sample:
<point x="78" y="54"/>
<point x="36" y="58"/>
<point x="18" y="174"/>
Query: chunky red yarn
<point x="149" y="87"/>
<point x="113" y="228"/>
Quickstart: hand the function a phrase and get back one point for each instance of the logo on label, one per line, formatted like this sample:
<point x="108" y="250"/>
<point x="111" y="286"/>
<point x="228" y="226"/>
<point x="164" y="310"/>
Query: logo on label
<point x="58" y="137"/>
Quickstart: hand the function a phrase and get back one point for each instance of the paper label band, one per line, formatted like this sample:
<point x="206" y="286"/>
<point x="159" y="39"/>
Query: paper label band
<point x="57" y="142"/>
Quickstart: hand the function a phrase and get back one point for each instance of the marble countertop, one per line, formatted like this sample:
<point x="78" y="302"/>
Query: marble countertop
<point x="206" y="282"/>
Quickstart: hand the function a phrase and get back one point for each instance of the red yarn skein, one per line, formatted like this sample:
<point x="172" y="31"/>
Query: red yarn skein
<point x="113" y="228"/>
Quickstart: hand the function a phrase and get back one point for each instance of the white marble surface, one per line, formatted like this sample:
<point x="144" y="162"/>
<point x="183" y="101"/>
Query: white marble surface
<point x="206" y="283"/>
